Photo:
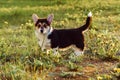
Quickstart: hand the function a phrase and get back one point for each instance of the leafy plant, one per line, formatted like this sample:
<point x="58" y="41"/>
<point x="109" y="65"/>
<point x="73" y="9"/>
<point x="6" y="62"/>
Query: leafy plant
<point x="104" y="77"/>
<point x="70" y="74"/>
<point x="116" y="72"/>
<point x="73" y="67"/>
<point x="103" y="44"/>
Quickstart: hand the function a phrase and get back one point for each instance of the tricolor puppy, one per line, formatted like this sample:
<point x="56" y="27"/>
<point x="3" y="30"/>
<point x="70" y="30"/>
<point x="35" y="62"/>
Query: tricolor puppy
<point x="49" y="38"/>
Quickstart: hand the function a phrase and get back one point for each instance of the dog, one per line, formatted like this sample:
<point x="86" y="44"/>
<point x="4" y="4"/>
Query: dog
<point x="49" y="38"/>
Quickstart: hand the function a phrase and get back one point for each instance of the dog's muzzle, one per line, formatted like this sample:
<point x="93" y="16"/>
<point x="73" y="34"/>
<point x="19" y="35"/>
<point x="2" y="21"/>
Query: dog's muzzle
<point x="41" y="30"/>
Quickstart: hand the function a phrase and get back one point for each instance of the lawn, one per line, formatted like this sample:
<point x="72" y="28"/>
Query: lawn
<point x="22" y="59"/>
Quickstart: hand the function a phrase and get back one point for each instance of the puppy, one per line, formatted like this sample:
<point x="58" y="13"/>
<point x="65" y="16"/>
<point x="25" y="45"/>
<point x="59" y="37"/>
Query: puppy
<point x="49" y="38"/>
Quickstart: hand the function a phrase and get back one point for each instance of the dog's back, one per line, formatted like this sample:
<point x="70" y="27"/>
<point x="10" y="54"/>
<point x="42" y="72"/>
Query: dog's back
<point x="66" y="37"/>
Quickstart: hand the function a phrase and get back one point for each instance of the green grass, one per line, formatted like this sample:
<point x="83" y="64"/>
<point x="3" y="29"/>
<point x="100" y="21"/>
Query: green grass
<point x="20" y="55"/>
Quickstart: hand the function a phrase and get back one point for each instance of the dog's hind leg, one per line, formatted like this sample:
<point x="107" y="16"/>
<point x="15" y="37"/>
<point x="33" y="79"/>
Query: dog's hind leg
<point x="78" y="50"/>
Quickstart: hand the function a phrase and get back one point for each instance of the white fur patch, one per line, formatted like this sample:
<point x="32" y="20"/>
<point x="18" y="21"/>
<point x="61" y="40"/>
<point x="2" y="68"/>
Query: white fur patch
<point x="77" y="51"/>
<point x="89" y="14"/>
<point x="43" y="40"/>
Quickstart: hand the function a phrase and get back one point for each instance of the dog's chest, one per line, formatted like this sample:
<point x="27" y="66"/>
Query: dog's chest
<point x="43" y="41"/>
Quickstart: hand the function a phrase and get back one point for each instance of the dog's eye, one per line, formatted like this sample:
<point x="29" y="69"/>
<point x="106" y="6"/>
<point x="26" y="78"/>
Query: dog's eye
<point x="45" y="25"/>
<point x="38" y="26"/>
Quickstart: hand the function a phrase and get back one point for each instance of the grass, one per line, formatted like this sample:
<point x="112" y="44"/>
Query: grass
<point x="22" y="59"/>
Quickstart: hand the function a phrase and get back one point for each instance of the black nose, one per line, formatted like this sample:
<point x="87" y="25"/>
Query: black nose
<point x="41" y="31"/>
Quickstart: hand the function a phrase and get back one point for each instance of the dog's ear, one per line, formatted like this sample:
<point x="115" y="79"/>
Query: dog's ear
<point x="35" y="18"/>
<point x="50" y="18"/>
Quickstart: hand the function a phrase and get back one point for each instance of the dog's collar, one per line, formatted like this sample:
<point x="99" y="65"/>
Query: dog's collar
<point x="50" y="31"/>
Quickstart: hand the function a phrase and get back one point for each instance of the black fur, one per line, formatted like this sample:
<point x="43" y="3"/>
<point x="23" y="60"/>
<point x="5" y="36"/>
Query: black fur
<point x="42" y="21"/>
<point x="66" y="37"/>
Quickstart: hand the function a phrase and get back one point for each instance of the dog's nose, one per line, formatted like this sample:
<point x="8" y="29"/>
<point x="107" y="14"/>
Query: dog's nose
<point x="41" y="31"/>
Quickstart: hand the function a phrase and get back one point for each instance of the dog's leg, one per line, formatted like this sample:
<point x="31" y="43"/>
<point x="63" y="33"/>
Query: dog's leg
<point x="55" y="51"/>
<point x="42" y="48"/>
<point x="40" y="44"/>
<point x="77" y="51"/>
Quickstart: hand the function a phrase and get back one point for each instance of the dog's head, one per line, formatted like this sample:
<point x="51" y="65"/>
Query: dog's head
<point x="42" y="25"/>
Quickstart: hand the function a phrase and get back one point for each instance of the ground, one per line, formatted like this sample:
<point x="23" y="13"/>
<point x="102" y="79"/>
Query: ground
<point x="91" y="68"/>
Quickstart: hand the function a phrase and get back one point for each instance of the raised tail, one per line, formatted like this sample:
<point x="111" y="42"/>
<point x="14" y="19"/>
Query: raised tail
<point x="88" y="22"/>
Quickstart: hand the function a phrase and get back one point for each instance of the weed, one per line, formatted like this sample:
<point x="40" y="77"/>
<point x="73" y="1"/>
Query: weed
<point x="104" y="45"/>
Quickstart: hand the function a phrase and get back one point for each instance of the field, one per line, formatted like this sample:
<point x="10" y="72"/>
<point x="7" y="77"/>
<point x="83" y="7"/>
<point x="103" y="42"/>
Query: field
<point x="22" y="59"/>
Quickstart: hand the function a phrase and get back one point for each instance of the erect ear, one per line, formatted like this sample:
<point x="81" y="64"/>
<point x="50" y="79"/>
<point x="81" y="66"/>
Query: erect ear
<point x="35" y="18"/>
<point x="50" y="18"/>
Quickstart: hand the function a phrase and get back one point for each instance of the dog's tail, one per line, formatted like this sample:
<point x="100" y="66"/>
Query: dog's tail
<point x="88" y="22"/>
